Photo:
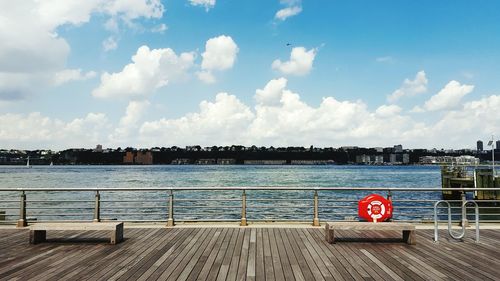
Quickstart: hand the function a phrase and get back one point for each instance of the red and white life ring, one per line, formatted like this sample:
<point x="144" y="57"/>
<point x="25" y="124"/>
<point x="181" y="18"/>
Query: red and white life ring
<point x="374" y="208"/>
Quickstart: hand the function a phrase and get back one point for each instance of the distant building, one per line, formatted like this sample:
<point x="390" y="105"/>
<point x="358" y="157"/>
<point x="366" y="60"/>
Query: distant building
<point x="144" y="158"/>
<point x="181" y="161"/>
<point x="311" y="162"/>
<point x="363" y="159"/>
<point x="128" y="158"/>
<point x="226" y="161"/>
<point x="210" y="161"/>
<point x="497" y="146"/>
<point x="138" y="157"/>
<point x="406" y="158"/>
<point x="98" y="148"/>
<point x="479" y="145"/>
<point x="398" y="148"/>
<point x="393" y="158"/>
<point x="264" y="162"/>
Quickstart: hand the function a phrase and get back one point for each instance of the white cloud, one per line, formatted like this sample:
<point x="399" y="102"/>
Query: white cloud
<point x="208" y="4"/>
<point x="149" y="70"/>
<point x="279" y="118"/>
<point x="68" y="75"/>
<point x="293" y="8"/>
<point x="388" y="110"/>
<point x="287" y="12"/>
<point x="461" y="127"/>
<point x="449" y="97"/>
<point x="32" y="52"/>
<point x="417" y="109"/>
<point x="35" y="131"/>
<point x="109" y="44"/>
<point x="161" y="28"/>
<point x="206" y="76"/>
<point x="410" y="87"/>
<point x="272" y="92"/>
<point x="223" y="121"/>
<point x="300" y="63"/>
<point x="129" y="123"/>
<point x="220" y="54"/>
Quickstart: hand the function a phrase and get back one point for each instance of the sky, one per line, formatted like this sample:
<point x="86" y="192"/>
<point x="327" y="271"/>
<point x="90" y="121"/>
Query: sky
<point x="327" y="73"/>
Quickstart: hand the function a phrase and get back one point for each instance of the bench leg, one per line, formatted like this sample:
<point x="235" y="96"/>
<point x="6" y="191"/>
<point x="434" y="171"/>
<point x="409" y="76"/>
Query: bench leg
<point x="409" y="236"/>
<point x="37" y="236"/>
<point x="329" y="234"/>
<point x="117" y="235"/>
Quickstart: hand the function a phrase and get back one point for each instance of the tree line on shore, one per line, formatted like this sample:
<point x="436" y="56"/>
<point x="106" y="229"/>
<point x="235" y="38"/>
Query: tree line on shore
<point x="229" y="154"/>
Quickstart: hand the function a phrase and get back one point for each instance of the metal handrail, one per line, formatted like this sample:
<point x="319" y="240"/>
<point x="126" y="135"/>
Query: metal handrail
<point x="311" y="206"/>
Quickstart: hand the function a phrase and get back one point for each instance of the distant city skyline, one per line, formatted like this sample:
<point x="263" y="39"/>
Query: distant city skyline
<point x="279" y="73"/>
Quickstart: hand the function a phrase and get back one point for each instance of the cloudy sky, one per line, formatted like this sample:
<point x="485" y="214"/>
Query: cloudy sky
<point x="149" y="73"/>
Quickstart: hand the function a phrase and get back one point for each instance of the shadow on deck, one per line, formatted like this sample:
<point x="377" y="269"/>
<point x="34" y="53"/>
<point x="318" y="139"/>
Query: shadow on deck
<point x="247" y="253"/>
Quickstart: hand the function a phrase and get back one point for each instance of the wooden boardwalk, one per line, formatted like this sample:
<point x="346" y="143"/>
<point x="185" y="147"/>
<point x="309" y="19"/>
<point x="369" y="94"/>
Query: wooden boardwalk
<point x="246" y="254"/>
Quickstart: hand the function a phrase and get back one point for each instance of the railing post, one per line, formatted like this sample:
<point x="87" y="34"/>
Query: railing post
<point x="464" y="222"/>
<point x="389" y="198"/>
<point x="244" y="209"/>
<point x="22" y="222"/>
<point x="170" y="221"/>
<point x="97" y="207"/>
<point x="316" y="203"/>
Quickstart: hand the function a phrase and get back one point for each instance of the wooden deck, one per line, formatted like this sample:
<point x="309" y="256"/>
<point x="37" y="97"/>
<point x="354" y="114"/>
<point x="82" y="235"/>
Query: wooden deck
<point x="246" y="254"/>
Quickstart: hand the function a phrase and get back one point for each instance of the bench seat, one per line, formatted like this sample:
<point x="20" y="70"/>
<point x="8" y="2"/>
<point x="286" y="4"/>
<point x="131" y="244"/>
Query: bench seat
<point x="38" y="231"/>
<point x="408" y="229"/>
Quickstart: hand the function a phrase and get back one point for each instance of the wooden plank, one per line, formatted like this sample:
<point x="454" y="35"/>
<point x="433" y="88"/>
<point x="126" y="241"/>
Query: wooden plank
<point x="273" y="254"/>
<point x="252" y="250"/>
<point x="186" y="237"/>
<point x="41" y="265"/>
<point x="228" y="257"/>
<point x="179" y="264"/>
<point x="308" y="268"/>
<point x="294" y="263"/>
<point x="242" y="266"/>
<point x="183" y="271"/>
<point x="277" y="268"/>
<point x="205" y="262"/>
<point x="382" y="266"/>
<point x="384" y="254"/>
<point x="284" y="258"/>
<point x="232" y="271"/>
<point x="259" y="258"/>
<point x="333" y="254"/>
<point x="123" y="261"/>
<point x="318" y="254"/>
<point x="315" y="263"/>
<point x="41" y="269"/>
<point x="219" y="259"/>
<point x="360" y="263"/>
<point x="164" y="245"/>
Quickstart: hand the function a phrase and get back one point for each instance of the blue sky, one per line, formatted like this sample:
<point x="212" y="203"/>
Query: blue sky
<point x="289" y="72"/>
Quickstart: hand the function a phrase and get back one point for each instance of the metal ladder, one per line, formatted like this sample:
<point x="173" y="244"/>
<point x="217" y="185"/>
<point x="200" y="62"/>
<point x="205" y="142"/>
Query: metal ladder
<point x="460" y="235"/>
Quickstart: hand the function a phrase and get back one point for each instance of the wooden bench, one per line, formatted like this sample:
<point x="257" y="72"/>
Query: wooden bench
<point x="38" y="231"/>
<point x="408" y="229"/>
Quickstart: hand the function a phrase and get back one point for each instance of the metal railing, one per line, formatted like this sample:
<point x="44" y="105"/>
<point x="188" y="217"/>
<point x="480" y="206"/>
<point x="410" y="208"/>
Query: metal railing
<point x="221" y="204"/>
